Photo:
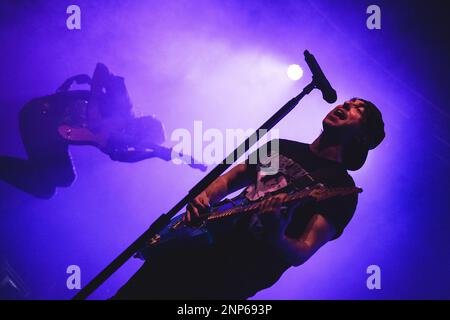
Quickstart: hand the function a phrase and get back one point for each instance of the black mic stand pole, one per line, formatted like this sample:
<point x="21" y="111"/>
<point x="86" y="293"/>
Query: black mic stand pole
<point x="164" y="219"/>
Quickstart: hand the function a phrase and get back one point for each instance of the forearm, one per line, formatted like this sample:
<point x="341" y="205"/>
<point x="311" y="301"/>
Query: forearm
<point x="235" y="179"/>
<point x="217" y="190"/>
<point x="294" y="252"/>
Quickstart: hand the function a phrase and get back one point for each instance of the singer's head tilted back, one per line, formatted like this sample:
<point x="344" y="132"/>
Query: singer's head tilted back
<point x="285" y="238"/>
<point x="354" y="127"/>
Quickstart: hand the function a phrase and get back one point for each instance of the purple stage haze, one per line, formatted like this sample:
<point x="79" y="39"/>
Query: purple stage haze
<point x="224" y="63"/>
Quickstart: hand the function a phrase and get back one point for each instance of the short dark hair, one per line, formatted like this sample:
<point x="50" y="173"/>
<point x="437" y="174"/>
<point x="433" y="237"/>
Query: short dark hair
<point x="373" y="124"/>
<point x="355" y="153"/>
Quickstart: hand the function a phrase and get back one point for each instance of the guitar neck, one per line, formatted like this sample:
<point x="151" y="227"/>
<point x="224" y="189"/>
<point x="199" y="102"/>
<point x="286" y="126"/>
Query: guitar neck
<point x="303" y="195"/>
<point x="255" y="207"/>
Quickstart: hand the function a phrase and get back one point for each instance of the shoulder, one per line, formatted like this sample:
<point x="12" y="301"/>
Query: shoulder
<point x="73" y="95"/>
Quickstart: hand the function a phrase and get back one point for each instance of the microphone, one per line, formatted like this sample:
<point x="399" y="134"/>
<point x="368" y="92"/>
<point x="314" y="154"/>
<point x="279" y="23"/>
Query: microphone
<point x="319" y="79"/>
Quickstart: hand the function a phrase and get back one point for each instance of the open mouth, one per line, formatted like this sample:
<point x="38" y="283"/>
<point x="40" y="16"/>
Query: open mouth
<point x="341" y="114"/>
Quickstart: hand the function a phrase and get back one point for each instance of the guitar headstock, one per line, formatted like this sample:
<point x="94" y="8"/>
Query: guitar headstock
<point x="321" y="192"/>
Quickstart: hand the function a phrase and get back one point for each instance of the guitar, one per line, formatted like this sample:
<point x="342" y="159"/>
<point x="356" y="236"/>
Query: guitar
<point x="221" y="218"/>
<point x="105" y="131"/>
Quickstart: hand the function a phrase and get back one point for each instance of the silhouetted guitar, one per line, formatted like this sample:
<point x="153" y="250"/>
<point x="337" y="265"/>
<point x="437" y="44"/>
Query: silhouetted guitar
<point x="221" y="218"/>
<point x="115" y="130"/>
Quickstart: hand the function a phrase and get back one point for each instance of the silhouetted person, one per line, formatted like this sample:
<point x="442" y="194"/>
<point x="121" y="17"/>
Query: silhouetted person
<point x="102" y="117"/>
<point x="262" y="247"/>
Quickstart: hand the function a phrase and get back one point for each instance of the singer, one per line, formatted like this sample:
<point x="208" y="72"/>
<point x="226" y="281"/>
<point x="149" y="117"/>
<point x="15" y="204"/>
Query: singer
<point x="260" y="247"/>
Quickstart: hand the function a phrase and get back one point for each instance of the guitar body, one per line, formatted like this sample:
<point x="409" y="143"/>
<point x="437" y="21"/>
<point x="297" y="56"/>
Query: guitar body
<point x="222" y="219"/>
<point x="179" y="235"/>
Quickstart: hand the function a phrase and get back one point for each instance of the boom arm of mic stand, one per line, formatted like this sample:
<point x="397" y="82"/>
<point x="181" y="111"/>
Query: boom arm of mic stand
<point x="164" y="219"/>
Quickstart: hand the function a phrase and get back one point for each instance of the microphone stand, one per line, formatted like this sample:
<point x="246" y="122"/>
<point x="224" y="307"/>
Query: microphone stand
<point x="164" y="219"/>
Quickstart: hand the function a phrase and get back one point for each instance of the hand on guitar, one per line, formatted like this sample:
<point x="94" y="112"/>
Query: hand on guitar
<point x="274" y="216"/>
<point x="199" y="205"/>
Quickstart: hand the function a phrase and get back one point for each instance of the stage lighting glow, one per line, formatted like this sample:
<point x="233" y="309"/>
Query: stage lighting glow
<point x="294" y="72"/>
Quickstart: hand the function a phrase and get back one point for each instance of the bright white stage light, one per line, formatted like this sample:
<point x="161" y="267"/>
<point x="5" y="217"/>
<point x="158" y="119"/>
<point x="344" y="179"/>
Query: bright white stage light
<point x="294" y="72"/>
